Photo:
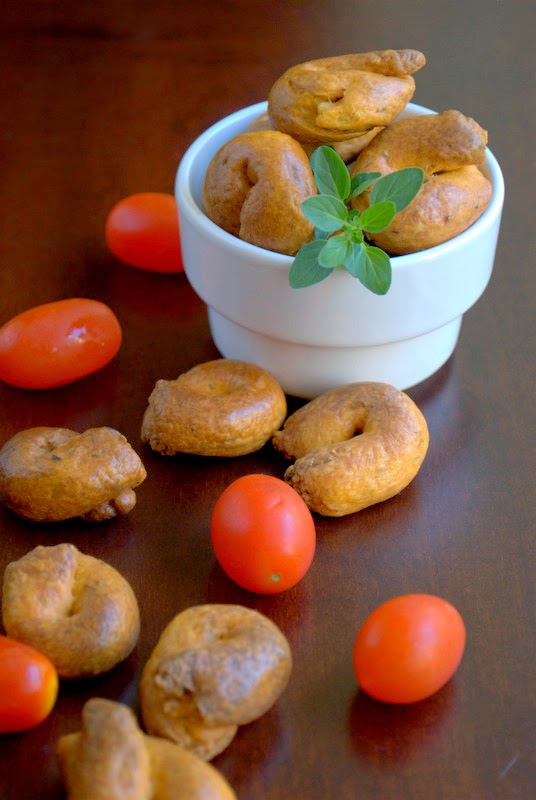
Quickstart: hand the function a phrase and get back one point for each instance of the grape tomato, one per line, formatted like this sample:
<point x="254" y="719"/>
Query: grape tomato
<point x="408" y="648"/>
<point x="56" y="343"/>
<point x="142" y="230"/>
<point x="263" y="534"/>
<point x="28" y="686"/>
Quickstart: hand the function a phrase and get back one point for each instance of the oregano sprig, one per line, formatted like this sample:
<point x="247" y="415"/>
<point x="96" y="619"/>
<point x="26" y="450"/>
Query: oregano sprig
<point x="340" y="231"/>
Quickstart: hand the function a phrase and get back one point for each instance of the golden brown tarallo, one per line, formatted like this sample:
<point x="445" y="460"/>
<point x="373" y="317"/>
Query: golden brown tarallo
<point x="334" y="99"/>
<point x="353" y="446"/>
<point x="78" y="610"/>
<point x="224" y="407"/>
<point x="253" y="189"/>
<point x="448" y="147"/>
<point x="215" y="667"/>
<point x="110" y="758"/>
<point x="347" y="150"/>
<point x="52" y="474"/>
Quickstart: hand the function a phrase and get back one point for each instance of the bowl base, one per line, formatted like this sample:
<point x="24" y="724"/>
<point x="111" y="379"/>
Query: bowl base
<point x="306" y="371"/>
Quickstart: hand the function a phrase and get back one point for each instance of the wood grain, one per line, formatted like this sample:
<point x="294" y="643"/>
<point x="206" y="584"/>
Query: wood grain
<point x="100" y="100"/>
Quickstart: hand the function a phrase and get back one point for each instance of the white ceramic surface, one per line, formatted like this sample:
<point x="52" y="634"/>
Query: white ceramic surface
<point x="336" y="331"/>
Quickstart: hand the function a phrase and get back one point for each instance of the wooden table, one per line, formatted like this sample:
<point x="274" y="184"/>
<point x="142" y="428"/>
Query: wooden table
<point x="100" y="100"/>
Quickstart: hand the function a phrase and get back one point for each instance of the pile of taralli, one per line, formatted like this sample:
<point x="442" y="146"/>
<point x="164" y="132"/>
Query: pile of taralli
<point x="256" y="182"/>
<point x="217" y="666"/>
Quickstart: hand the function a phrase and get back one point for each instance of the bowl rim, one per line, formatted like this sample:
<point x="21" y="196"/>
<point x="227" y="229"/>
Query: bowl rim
<point x="189" y="207"/>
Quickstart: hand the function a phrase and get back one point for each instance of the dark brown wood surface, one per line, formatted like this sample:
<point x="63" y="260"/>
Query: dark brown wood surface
<point x="100" y="100"/>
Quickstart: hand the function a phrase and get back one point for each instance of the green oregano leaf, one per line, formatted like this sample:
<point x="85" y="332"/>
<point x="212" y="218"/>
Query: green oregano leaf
<point x="375" y="269"/>
<point x="330" y="172"/>
<point x="305" y="269"/>
<point x="355" y="234"/>
<point x="400" y="187"/>
<point x="353" y="261"/>
<point x="378" y="216"/>
<point x="325" y="212"/>
<point x="340" y="236"/>
<point x="335" y="251"/>
<point x="362" y="181"/>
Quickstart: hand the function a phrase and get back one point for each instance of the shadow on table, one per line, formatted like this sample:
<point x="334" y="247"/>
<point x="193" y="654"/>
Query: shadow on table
<point x="385" y="734"/>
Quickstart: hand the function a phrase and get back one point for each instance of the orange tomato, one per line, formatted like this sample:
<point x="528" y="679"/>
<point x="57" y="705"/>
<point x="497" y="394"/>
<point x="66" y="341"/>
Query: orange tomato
<point x="408" y="648"/>
<point x="28" y="686"/>
<point x="143" y="231"/>
<point x="57" y="343"/>
<point x="263" y="534"/>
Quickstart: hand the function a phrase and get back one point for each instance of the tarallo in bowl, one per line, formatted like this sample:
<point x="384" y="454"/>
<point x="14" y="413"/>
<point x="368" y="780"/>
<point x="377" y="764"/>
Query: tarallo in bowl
<point x="337" y="331"/>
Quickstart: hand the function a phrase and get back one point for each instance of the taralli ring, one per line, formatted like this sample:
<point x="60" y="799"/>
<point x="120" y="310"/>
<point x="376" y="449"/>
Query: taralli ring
<point x="223" y="407"/>
<point x="354" y="446"/>
<point x="215" y="667"/>
<point x="347" y="149"/>
<point x="52" y="474"/>
<point x="110" y="758"/>
<point x="76" y="609"/>
<point x="254" y="187"/>
<point x="448" y="147"/>
<point x="334" y="99"/>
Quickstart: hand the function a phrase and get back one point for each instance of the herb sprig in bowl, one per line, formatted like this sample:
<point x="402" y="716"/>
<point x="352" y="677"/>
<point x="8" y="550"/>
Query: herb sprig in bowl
<point x="340" y="231"/>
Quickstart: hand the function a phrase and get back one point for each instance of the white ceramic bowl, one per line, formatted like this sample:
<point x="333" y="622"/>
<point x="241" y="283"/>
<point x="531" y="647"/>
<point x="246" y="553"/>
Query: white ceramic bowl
<point x="337" y="331"/>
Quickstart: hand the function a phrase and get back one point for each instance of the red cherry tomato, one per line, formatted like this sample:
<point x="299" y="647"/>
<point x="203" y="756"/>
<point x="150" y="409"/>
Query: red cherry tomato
<point x="408" y="648"/>
<point x="28" y="686"/>
<point x="263" y="534"/>
<point x="56" y="343"/>
<point x="143" y="231"/>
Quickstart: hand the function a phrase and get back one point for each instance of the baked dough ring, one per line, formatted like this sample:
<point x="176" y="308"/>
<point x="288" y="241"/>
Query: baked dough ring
<point x="447" y="146"/>
<point x="223" y="407"/>
<point x="354" y="446"/>
<point x="76" y="609"/>
<point x="52" y="474"/>
<point x="215" y="667"/>
<point x="347" y="150"/>
<point x="112" y="759"/>
<point x="333" y="99"/>
<point x="254" y="187"/>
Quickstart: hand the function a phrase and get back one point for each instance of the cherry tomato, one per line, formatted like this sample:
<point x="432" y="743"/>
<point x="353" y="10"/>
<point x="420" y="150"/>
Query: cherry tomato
<point x="28" y="686"/>
<point x="143" y="231"/>
<point x="263" y="534"/>
<point x="56" y="343"/>
<point x="408" y="648"/>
